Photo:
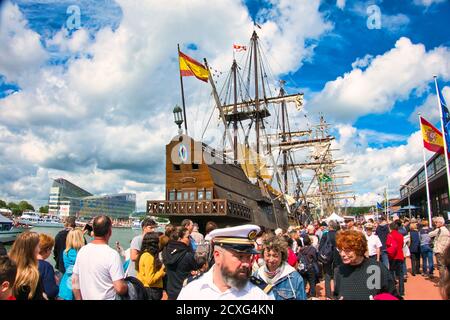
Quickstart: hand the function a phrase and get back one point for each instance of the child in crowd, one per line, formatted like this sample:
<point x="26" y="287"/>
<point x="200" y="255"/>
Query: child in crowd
<point x="8" y="272"/>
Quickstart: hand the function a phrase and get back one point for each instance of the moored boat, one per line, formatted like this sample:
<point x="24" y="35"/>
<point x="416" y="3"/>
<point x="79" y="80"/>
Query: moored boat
<point x="136" y="224"/>
<point x="34" y="219"/>
<point x="8" y="232"/>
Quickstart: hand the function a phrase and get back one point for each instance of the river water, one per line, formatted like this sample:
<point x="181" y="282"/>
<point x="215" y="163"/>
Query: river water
<point x="123" y="235"/>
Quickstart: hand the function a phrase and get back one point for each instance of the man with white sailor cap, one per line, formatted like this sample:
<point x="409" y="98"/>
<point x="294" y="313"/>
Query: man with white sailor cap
<point x="230" y="276"/>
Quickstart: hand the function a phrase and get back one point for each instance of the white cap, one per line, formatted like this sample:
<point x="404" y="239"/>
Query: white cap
<point x="239" y="238"/>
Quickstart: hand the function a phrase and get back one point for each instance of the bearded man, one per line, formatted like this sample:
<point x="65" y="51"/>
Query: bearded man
<point x="230" y="276"/>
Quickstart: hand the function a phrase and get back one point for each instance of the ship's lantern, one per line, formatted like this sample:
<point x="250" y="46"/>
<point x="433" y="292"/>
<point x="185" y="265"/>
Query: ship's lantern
<point x="178" y="116"/>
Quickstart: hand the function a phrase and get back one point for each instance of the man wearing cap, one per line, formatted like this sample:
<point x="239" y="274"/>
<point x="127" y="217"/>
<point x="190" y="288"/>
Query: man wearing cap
<point x="373" y="243"/>
<point x="229" y="277"/>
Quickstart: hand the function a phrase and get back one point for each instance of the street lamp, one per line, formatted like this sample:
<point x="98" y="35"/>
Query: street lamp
<point x="409" y="202"/>
<point x="178" y="117"/>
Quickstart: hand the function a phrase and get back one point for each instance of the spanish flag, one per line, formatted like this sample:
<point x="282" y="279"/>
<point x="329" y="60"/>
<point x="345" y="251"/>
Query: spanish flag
<point x="190" y="67"/>
<point x="432" y="137"/>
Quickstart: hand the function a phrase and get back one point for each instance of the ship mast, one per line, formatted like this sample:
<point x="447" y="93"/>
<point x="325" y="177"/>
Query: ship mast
<point x="239" y="105"/>
<point x="283" y="138"/>
<point x="255" y="57"/>
<point x="235" y="127"/>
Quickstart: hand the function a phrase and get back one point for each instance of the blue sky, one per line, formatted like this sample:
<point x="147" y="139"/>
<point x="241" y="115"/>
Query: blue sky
<point x="122" y="39"/>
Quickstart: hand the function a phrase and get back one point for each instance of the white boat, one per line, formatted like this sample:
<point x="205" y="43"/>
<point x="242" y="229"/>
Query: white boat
<point x="8" y="232"/>
<point x="136" y="225"/>
<point x="34" y="219"/>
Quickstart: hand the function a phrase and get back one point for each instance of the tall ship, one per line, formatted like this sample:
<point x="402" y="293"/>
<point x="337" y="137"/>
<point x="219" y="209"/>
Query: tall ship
<point x="252" y="175"/>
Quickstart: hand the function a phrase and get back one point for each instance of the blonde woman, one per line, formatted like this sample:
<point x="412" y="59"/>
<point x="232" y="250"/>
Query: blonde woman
<point x="74" y="242"/>
<point x="24" y="252"/>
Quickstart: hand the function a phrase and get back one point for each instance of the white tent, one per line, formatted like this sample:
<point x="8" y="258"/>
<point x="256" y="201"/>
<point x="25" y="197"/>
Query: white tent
<point x="334" y="217"/>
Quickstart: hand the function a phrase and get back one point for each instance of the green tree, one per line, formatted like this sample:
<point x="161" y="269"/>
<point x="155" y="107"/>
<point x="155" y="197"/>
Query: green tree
<point x="352" y="211"/>
<point x="43" y="209"/>
<point x="3" y="204"/>
<point x="14" y="208"/>
<point x="24" y="206"/>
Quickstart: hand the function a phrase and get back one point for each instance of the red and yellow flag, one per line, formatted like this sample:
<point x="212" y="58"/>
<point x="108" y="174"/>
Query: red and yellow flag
<point x="190" y="67"/>
<point x="432" y="137"/>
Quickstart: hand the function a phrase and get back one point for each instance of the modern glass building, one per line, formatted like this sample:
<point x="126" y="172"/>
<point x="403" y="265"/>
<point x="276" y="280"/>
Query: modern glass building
<point x="120" y="205"/>
<point x="415" y="189"/>
<point x="67" y="199"/>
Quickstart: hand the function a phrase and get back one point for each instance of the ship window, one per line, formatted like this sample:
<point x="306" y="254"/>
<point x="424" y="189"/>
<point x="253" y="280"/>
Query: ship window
<point x="195" y="166"/>
<point x="172" y="195"/>
<point x="186" y="195"/>
<point x="179" y="195"/>
<point x="176" y="167"/>
<point x="192" y="195"/>
<point x="208" y="195"/>
<point x="200" y="194"/>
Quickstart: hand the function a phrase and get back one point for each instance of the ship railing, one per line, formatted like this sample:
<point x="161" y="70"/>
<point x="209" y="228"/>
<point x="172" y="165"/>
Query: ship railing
<point x="215" y="207"/>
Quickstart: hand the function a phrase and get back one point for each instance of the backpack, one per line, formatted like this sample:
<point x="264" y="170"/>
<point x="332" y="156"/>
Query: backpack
<point x="304" y="266"/>
<point x="326" y="252"/>
<point x="136" y="290"/>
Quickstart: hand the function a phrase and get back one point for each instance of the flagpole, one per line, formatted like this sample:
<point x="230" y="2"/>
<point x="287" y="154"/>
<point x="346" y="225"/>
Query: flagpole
<point x="443" y="134"/>
<point x="385" y="205"/>
<point x="387" y="198"/>
<point x="182" y="91"/>
<point x="426" y="174"/>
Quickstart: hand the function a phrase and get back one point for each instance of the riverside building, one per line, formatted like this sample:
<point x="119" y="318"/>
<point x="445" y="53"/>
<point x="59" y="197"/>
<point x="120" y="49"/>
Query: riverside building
<point x="67" y="199"/>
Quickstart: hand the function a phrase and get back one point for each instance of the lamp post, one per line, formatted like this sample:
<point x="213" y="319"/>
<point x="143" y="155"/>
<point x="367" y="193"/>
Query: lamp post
<point x="178" y="118"/>
<point x="409" y="202"/>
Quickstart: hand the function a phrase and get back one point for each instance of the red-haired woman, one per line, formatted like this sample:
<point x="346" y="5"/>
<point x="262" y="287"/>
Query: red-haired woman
<point x="359" y="278"/>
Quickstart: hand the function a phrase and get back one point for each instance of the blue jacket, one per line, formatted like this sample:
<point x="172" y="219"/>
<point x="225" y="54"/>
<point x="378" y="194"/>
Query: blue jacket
<point x="65" y="285"/>
<point x="48" y="279"/>
<point x="414" y="247"/>
<point x="289" y="286"/>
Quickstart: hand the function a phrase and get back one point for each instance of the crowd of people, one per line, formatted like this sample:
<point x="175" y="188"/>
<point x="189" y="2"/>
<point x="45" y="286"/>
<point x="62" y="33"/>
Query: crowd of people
<point x="365" y="261"/>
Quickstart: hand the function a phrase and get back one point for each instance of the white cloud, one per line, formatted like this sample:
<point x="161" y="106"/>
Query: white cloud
<point x="427" y="3"/>
<point x="20" y="47"/>
<point x="390" y="77"/>
<point x="103" y="118"/>
<point x="72" y="43"/>
<point x="394" y="23"/>
<point x="340" y="4"/>
<point x="389" y="23"/>
<point x="429" y="109"/>
<point x="373" y="169"/>
<point x="362" y="62"/>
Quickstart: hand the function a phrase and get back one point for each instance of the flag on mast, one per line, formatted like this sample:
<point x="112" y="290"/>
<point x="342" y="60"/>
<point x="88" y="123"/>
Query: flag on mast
<point x="190" y="67"/>
<point x="445" y="125"/>
<point x="239" y="48"/>
<point x="432" y="137"/>
<point x="445" y="115"/>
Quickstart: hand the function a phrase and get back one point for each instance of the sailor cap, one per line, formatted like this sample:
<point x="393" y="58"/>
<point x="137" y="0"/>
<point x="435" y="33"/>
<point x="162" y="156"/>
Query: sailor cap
<point x="239" y="238"/>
